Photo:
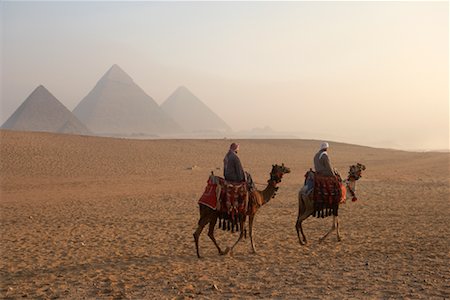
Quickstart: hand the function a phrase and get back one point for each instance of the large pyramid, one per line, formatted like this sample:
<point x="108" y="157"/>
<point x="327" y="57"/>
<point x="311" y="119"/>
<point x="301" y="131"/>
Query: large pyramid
<point x="192" y="114"/>
<point x="118" y="106"/>
<point x="41" y="111"/>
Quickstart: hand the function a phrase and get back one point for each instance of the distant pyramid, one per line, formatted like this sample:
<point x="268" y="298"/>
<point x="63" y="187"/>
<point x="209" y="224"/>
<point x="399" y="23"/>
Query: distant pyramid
<point x="117" y="106"/>
<point x="191" y="113"/>
<point x="41" y="111"/>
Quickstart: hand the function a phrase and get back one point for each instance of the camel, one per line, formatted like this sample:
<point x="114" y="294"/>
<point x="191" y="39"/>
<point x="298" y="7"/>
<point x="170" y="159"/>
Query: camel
<point x="306" y="202"/>
<point x="256" y="200"/>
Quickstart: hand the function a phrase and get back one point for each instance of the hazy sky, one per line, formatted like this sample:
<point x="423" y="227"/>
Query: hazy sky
<point x="371" y="73"/>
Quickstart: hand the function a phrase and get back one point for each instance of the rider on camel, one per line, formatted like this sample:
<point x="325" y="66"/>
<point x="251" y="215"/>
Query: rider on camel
<point x="232" y="167"/>
<point x="327" y="188"/>
<point x="322" y="162"/>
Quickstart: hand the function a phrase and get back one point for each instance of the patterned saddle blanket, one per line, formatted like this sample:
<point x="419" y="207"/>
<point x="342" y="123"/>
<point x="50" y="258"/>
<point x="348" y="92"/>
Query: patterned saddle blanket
<point x="225" y="196"/>
<point x="229" y="199"/>
<point x="326" y="189"/>
<point x="327" y="192"/>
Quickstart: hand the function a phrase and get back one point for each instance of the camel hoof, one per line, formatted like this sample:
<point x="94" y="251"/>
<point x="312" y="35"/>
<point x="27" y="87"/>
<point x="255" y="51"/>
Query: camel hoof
<point x="225" y="252"/>
<point x="320" y="240"/>
<point x="339" y="239"/>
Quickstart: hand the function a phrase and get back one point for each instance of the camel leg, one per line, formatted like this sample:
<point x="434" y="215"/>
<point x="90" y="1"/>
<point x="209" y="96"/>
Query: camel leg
<point x="212" y="226"/>
<point x="303" y="213"/>
<point x="240" y="236"/>
<point x="331" y="230"/>
<point x="337" y="229"/>
<point x="250" y="231"/>
<point x="207" y="216"/>
<point x="299" y="228"/>
<point x="197" y="233"/>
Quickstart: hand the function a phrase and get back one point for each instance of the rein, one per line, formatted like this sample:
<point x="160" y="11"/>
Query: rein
<point x="274" y="180"/>
<point x="277" y="180"/>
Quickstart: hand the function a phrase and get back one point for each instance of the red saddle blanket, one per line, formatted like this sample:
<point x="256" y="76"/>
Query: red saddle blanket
<point x="211" y="193"/>
<point x="225" y="196"/>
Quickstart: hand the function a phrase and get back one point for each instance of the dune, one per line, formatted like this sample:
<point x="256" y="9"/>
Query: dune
<point x="91" y="217"/>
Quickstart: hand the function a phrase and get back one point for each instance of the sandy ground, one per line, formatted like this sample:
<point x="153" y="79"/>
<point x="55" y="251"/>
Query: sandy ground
<point x="87" y="217"/>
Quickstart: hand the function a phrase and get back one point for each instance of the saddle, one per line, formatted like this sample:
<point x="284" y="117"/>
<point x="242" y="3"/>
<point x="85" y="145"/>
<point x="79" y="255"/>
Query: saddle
<point x="327" y="192"/>
<point x="229" y="199"/>
<point x="234" y="198"/>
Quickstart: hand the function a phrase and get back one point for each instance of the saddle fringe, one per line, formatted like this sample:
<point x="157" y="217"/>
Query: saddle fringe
<point x="230" y="222"/>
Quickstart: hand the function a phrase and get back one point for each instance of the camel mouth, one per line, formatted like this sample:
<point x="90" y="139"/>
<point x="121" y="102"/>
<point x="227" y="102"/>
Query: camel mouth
<point x="284" y="169"/>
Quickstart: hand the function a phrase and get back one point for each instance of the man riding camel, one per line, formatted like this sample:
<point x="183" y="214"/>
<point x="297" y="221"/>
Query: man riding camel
<point x="322" y="161"/>
<point x="327" y="188"/>
<point x="232" y="167"/>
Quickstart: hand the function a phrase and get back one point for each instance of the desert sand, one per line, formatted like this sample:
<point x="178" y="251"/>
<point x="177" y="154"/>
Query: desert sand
<point x="89" y="217"/>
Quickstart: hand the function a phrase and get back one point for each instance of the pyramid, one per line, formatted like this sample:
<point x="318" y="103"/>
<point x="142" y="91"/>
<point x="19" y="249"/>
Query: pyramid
<point x="41" y="111"/>
<point x="192" y="114"/>
<point x="118" y="106"/>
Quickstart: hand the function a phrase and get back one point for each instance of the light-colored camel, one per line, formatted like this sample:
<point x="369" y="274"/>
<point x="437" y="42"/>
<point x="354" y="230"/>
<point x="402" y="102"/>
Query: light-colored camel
<point x="256" y="200"/>
<point x="306" y="202"/>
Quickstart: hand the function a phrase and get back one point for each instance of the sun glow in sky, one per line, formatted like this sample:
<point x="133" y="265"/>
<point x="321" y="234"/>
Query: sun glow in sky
<point x="371" y="73"/>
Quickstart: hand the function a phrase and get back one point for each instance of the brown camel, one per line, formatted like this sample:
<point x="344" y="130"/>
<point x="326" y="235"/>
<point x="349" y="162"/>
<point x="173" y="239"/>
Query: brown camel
<point x="256" y="200"/>
<point x="306" y="202"/>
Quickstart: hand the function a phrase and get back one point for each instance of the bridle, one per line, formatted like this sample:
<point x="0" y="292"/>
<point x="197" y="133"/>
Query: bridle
<point x="353" y="175"/>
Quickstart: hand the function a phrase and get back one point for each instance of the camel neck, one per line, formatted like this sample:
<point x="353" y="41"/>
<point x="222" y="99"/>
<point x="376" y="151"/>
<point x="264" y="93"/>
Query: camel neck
<point x="268" y="192"/>
<point x="350" y="186"/>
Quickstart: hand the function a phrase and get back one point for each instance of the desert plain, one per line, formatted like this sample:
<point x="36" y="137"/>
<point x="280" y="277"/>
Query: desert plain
<point x="104" y="218"/>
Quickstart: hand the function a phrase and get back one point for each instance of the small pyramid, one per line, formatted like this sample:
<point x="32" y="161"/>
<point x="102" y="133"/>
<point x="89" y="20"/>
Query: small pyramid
<point x="41" y="111"/>
<point x="191" y="113"/>
<point x="118" y="106"/>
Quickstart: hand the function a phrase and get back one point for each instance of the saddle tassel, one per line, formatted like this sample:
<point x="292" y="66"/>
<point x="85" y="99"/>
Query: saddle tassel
<point x="224" y="225"/>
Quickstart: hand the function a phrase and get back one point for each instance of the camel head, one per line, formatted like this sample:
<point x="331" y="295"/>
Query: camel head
<point x="277" y="173"/>
<point x="355" y="172"/>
